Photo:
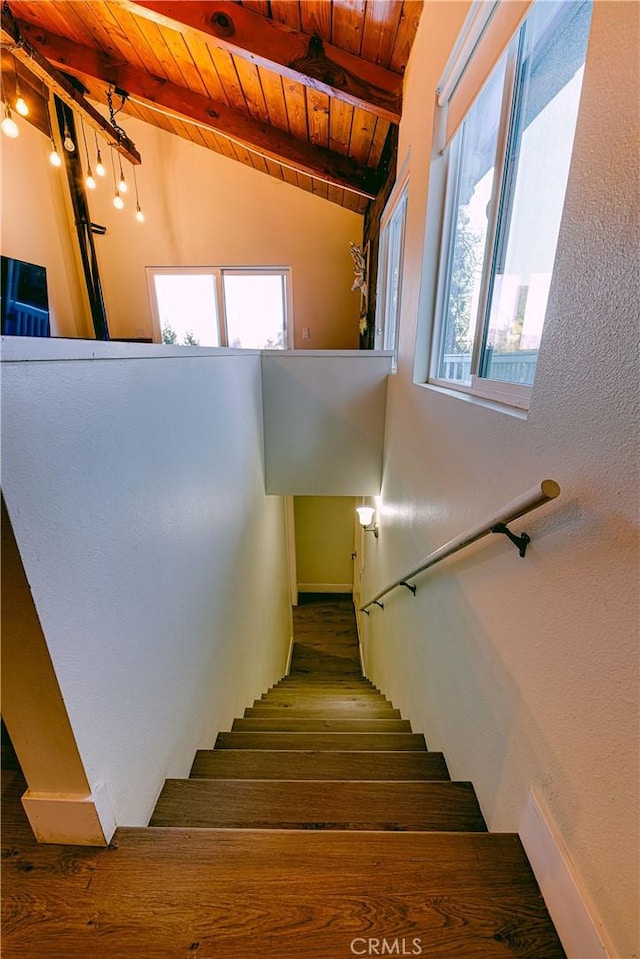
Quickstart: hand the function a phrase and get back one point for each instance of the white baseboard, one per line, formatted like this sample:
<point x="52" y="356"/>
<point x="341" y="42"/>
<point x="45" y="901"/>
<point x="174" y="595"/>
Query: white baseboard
<point x="69" y="818"/>
<point x="325" y="587"/>
<point x="573" y="915"/>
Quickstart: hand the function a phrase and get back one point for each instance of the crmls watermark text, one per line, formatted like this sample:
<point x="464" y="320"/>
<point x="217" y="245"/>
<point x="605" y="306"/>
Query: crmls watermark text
<point x="386" y="947"/>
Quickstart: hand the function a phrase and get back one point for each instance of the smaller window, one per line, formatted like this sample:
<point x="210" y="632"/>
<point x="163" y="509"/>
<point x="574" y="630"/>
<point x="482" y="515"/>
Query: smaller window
<point x="390" y="267"/>
<point x="255" y="309"/>
<point x="242" y="308"/>
<point x="186" y="307"/>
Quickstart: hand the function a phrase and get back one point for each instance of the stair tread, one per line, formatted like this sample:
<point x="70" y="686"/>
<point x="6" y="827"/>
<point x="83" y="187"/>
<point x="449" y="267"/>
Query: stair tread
<point x="288" y="764"/>
<point x="324" y="713"/>
<point x="470" y="895"/>
<point x="450" y="806"/>
<point x="322" y="725"/>
<point x="367" y="699"/>
<point x="297" y="702"/>
<point x="306" y="741"/>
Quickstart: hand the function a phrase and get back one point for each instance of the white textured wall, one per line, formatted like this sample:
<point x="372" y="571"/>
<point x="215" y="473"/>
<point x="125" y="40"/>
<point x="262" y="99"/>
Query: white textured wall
<point x="324" y="422"/>
<point x="36" y="225"/>
<point x="204" y="209"/>
<point x="526" y="671"/>
<point x="157" y="563"/>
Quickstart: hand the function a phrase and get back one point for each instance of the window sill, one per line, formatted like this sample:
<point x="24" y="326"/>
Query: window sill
<point x="474" y="400"/>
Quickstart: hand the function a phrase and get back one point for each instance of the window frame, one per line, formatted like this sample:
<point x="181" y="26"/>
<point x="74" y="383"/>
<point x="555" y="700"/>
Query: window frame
<point x="218" y="273"/>
<point x="397" y="205"/>
<point x="441" y="223"/>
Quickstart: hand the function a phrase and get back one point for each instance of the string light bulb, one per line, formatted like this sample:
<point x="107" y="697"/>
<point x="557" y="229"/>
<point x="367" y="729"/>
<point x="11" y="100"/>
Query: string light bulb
<point x="122" y="183"/>
<point x="9" y="125"/>
<point x="54" y="157"/>
<point x="21" y="104"/>
<point x="90" y="183"/>
<point x="100" y="167"/>
<point x="139" y="213"/>
<point x="68" y="143"/>
<point x="118" y="202"/>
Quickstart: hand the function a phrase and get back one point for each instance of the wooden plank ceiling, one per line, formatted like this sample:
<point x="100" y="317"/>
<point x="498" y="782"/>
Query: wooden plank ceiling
<point x="302" y="90"/>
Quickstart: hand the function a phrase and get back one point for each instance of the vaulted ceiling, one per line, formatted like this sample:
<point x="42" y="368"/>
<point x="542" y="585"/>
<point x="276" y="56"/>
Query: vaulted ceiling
<point x="303" y="90"/>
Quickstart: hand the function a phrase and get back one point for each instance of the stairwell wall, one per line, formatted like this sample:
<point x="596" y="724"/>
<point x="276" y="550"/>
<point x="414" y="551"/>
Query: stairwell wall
<point x="526" y="672"/>
<point x="158" y="566"/>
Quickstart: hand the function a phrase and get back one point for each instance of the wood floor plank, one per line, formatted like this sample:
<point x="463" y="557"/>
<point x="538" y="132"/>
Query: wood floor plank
<point x="356" y="766"/>
<point x="287" y="724"/>
<point x="234" y="804"/>
<point x="310" y="741"/>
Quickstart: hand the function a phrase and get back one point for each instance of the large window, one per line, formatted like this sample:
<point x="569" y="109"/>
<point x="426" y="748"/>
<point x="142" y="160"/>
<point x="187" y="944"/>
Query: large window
<point x="507" y="173"/>
<point x="204" y="306"/>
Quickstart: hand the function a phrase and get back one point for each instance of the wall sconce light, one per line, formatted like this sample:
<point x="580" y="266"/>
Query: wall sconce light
<point x="365" y="517"/>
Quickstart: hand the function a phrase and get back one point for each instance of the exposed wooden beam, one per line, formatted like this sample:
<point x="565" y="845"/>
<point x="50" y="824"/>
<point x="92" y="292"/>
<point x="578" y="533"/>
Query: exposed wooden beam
<point x="32" y="90"/>
<point x="39" y="66"/>
<point x="267" y="140"/>
<point x="277" y="47"/>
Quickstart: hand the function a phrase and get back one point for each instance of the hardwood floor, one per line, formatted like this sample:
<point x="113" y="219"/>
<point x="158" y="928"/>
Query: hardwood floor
<point x="292" y="839"/>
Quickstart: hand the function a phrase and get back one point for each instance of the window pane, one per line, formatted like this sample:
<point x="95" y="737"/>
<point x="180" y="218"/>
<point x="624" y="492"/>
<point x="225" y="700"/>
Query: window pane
<point x="535" y="183"/>
<point x="394" y="273"/>
<point x="187" y="308"/>
<point x="473" y="150"/>
<point x="255" y="310"/>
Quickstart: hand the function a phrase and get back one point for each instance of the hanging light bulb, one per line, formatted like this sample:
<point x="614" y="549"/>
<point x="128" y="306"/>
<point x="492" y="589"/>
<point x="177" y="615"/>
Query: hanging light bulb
<point x="118" y="202"/>
<point x="54" y="157"/>
<point x="90" y="183"/>
<point x="100" y="167"/>
<point x="122" y="184"/>
<point x="139" y="213"/>
<point x="68" y="143"/>
<point x="9" y="125"/>
<point x="21" y="104"/>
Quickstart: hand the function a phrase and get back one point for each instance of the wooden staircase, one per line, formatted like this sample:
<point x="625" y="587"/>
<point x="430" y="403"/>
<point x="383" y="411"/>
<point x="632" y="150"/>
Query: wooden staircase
<point x="329" y="829"/>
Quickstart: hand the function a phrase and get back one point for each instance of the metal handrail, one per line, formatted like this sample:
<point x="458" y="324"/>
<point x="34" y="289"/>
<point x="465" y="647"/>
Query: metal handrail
<point x="537" y="496"/>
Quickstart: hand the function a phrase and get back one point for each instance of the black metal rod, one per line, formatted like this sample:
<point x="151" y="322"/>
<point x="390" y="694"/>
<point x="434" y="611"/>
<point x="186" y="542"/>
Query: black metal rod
<point x="82" y="217"/>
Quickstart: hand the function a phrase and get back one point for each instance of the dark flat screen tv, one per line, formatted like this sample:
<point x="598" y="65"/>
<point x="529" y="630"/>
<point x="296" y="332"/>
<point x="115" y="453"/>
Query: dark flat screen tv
<point x="24" y="301"/>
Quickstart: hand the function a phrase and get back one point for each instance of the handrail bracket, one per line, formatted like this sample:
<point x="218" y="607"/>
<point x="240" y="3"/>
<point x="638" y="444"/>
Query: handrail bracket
<point x="521" y="542"/>
<point x="408" y="585"/>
